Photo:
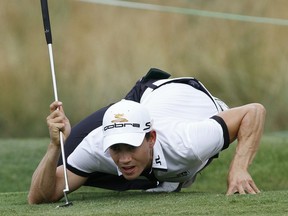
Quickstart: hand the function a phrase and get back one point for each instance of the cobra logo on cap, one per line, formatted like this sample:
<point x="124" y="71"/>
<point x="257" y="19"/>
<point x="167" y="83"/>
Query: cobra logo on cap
<point x="121" y="122"/>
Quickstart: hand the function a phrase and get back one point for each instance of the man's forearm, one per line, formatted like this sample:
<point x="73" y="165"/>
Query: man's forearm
<point x="245" y="152"/>
<point x="249" y="136"/>
<point x="44" y="178"/>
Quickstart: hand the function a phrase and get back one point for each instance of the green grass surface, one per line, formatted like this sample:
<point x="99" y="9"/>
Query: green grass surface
<point x="19" y="158"/>
<point x="138" y="203"/>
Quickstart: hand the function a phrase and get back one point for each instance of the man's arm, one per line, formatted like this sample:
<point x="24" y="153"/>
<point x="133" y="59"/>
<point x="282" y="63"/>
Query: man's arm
<point x="48" y="180"/>
<point x="245" y="123"/>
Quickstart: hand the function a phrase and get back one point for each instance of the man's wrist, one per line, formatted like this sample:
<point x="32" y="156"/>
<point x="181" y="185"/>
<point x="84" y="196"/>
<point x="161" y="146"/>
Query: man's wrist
<point x="54" y="146"/>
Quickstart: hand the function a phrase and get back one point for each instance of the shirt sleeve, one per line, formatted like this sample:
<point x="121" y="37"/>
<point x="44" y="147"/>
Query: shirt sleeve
<point x="205" y="138"/>
<point x="225" y="130"/>
<point x="90" y="157"/>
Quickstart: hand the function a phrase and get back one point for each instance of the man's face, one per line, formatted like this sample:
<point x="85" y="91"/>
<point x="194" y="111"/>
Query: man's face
<point x="132" y="161"/>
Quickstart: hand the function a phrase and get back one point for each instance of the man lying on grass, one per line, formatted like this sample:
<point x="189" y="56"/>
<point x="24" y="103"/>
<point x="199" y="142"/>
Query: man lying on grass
<point x="157" y="139"/>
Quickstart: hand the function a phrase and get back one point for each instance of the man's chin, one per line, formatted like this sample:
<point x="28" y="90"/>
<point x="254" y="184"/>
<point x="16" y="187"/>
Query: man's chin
<point x="130" y="177"/>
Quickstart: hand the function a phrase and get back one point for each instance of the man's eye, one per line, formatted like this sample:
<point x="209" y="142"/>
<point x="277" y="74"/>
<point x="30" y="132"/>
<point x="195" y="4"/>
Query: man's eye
<point x="115" y="148"/>
<point x="131" y="148"/>
<point x="118" y="148"/>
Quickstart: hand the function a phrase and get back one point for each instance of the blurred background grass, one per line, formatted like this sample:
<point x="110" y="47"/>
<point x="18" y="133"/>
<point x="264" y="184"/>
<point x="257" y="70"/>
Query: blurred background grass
<point x="101" y="51"/>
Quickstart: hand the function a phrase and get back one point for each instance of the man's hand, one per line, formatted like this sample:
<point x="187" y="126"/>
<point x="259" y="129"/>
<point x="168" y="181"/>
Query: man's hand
<point x="241" y="182"/>
<point x="57" y="121"/>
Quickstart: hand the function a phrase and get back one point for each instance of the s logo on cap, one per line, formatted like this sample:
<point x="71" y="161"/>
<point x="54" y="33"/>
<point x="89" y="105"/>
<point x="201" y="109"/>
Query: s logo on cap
<point x="119" y="118"/>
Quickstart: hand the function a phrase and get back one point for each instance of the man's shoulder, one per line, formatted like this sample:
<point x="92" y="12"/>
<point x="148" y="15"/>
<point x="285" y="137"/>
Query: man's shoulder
<point x="93" y="141"/>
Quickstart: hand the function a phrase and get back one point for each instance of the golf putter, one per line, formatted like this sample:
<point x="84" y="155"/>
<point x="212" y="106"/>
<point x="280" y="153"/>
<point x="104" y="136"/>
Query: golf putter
<point x="48" y="35"/>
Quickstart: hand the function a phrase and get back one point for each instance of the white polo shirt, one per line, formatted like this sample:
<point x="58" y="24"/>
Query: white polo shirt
<point x="186" y="137"/>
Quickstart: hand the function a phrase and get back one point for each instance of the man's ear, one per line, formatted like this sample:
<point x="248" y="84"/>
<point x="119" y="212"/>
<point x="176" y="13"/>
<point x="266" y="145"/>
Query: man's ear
<point x="152" y="138"/>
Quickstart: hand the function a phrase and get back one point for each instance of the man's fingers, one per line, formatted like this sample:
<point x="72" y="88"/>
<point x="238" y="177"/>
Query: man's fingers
<point x="55" y="105"/>
<point x="251" y="188"/>
<point x="233" y="189"/>
<point x="230" y="191"/>
<point x="255" y="188"/>
<point x="57" y="122"/>
<point x="243" y="188"/>
<point x="56" y="116"/>
<point x="236" y="190"/>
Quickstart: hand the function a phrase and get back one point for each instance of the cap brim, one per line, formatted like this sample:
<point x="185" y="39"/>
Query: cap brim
<point x="133" y="139"/>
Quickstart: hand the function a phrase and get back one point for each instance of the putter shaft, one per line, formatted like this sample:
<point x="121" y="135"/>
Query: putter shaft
<point x="66" y="189"/>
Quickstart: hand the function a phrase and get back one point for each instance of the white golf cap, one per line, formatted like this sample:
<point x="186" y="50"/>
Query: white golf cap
<point x="125" y="122"/>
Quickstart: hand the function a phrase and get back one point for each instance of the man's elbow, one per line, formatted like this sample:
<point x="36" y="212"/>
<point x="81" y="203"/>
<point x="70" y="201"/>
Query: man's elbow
<point x="38" y="199"/>
<point x="33" y="200"/>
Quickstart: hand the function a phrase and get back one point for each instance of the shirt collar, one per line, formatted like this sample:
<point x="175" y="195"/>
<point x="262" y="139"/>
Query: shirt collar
<point x="159" y="161"/>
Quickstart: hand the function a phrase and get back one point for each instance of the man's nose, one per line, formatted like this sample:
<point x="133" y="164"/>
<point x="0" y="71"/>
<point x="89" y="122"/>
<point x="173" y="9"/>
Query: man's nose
<point x="125" y="157"/>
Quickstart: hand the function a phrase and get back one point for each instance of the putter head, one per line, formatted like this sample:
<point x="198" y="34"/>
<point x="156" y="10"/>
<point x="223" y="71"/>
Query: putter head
<point x="67" y="204"/>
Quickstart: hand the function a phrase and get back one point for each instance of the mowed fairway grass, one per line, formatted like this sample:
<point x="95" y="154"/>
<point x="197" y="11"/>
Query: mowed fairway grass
<point x="19" y="158"/>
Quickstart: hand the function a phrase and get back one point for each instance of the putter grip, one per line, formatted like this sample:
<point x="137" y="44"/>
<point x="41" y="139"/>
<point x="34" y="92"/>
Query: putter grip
<point x="46" y="21"/>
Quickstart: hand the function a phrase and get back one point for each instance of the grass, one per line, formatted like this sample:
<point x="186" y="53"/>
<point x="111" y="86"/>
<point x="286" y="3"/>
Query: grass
<point x="138" y="203"/>
<point x="19" y="157"/>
